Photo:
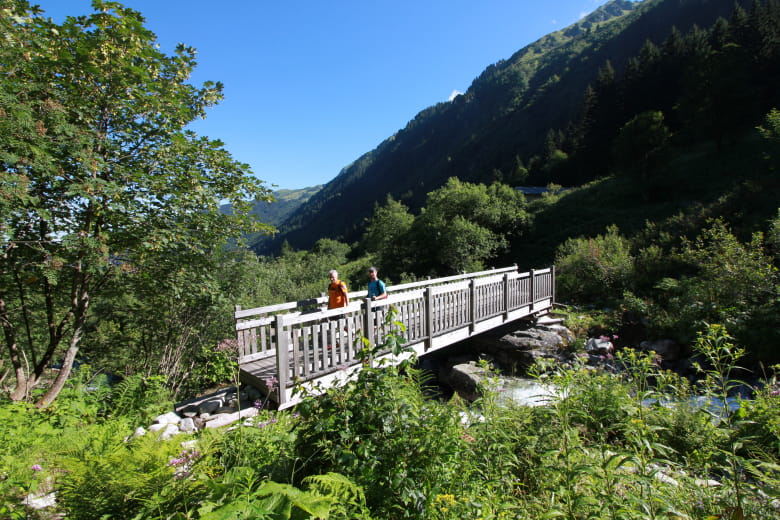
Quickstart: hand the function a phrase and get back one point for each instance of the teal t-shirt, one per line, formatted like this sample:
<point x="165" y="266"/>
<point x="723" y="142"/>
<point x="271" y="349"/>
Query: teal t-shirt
<point x="376" y="288"/>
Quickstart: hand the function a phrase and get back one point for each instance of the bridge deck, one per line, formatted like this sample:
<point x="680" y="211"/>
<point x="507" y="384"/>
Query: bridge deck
<point x="289" y="349"/>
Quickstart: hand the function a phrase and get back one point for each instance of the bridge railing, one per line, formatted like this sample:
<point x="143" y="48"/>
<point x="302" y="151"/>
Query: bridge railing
<point x="255" y="327"/>
<point x="309" y="342"/>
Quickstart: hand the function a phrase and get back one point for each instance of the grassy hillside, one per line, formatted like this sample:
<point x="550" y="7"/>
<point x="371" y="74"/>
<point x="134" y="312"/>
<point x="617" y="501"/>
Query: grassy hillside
<point x="500" y="128"/>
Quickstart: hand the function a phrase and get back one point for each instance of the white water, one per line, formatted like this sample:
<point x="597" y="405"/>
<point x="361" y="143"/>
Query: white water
<point x="530" y="392"/>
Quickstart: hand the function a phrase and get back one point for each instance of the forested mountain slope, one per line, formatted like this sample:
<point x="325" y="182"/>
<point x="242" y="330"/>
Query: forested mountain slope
<point x="515" y="122"/>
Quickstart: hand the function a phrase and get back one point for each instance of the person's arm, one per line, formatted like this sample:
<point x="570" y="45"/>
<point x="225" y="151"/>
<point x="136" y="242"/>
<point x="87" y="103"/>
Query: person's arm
<point x="346" y="294"/>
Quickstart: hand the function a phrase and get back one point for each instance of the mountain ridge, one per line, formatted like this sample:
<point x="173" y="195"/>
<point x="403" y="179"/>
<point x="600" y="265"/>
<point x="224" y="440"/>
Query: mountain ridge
<point x="501" y="121"/>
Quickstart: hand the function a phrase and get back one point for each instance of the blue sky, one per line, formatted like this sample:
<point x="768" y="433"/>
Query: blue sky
<point x="312" y="85"/>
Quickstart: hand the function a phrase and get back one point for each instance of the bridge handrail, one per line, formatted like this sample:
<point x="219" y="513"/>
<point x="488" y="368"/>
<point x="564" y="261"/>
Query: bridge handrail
<point x="241" y="314"/>
<point x="311" y="343"/>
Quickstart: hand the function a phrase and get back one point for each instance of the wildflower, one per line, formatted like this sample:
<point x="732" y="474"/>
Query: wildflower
<point x="36" y="467"/>
<point x="258" y="404"/>
<point x="227" y="345"/>
<point x="774" y="392"/>
<point x="271" y="382"/>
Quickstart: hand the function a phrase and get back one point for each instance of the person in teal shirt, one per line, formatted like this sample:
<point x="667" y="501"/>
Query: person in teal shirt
<point x="376" y="287"/>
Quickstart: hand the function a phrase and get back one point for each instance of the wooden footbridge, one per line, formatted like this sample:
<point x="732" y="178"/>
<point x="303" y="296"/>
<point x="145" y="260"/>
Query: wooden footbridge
<point x="303" y="346"/>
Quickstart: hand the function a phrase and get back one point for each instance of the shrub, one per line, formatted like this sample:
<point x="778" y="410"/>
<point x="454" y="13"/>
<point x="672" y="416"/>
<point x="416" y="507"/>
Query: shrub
<point x="594" y="270"/>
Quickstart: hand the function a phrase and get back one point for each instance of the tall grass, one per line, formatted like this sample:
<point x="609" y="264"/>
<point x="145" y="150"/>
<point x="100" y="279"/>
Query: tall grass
<point x="625" y="445"/>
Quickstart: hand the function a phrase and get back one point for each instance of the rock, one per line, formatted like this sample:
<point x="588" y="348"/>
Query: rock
<point x="466" y="379"/>
<point x="210" y="406"/>
<point x="533" y="339"/>
<point x="156" y="427"/>
<point x="139" y="432"/>
<point x="167" y="418"/>
<point x="187" y="425"/>
<point x="668" y="349"/>
<point x="227" y="418"/>
<point x="599" y="346"/>
<point x="566" y="335"/>
<point x="40" y="501"/>
<point x="170" y="431"/>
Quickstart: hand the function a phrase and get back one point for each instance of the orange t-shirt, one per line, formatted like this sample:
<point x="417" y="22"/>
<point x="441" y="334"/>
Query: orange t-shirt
<point x="337" y="294"/>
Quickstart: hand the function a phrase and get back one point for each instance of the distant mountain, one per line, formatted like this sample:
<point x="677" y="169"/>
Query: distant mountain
<point x="506" y="123"/>
<point x="285" y="203"/>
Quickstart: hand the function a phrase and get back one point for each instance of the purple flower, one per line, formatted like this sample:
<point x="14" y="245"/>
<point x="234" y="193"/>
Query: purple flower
<point x="774" y="392"/>
<point x="615" y="336"/>
<point x="258" y="404"/>
<point x="36" y="467"/>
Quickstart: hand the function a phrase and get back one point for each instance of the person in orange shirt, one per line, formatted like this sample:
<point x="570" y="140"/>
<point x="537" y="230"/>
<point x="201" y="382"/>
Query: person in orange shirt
<point x="337" y="292"/>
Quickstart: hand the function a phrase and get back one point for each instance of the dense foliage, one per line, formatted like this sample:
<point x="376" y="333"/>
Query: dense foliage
<point x="103" y="188"/>
<point x="638" y="444"/>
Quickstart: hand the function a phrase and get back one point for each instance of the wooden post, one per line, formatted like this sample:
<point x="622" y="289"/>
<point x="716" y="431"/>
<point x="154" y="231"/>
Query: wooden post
<point x="429" y="315"/>
<point x="506" y="296"/>
<point x="473" y="309"/>
<point x="368" y="326"/>
<point x="531" y="290"/>
<point x="552" y="287"/>
<point x="239" y="337"/>
<point x="282" y="362"/>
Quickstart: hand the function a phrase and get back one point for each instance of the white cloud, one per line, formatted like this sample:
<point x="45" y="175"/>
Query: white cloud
<point x="455" y="93"/>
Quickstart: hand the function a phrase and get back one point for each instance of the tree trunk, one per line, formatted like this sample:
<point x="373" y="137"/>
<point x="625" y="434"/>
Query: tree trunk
<point x="67" y="365"/>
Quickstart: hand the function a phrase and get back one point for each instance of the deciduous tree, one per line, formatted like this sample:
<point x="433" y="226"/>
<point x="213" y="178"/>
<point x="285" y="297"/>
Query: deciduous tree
<point x="99" y="173"/>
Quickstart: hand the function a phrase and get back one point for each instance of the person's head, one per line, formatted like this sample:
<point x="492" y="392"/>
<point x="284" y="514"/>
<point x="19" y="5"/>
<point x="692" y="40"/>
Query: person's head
<point x="372" y="273"/>
<point x="334" y="275"/>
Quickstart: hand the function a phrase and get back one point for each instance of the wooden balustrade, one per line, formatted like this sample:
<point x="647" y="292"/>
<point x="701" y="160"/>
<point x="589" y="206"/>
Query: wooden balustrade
<point x="288" y="345"/>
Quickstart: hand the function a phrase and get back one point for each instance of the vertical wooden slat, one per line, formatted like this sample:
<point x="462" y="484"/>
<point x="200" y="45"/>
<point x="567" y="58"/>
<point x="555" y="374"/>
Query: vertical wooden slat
<point x="307" y="348"/>
<point x="368" y="325"/>
<point x="282" y="364"/>
<point x="506" y="296"/>
<point x="429" y="316"/>
<point x="296" y="352"/>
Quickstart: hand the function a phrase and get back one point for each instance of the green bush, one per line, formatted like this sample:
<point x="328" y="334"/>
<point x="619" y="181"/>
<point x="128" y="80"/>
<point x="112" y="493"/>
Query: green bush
<point x="594" y="270"/>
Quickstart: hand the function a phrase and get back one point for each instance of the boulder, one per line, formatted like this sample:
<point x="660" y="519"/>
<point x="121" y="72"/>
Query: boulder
<point x="599" y="346"/>
<point x="667" y="349"/>
<point x="517" y="351"/>
<point x="187" y="425"/>
<point x="466" y="379"/>
<point x="223" y="419"/>
<point x="170" y="431"/>
<point x="167" y="418"/>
